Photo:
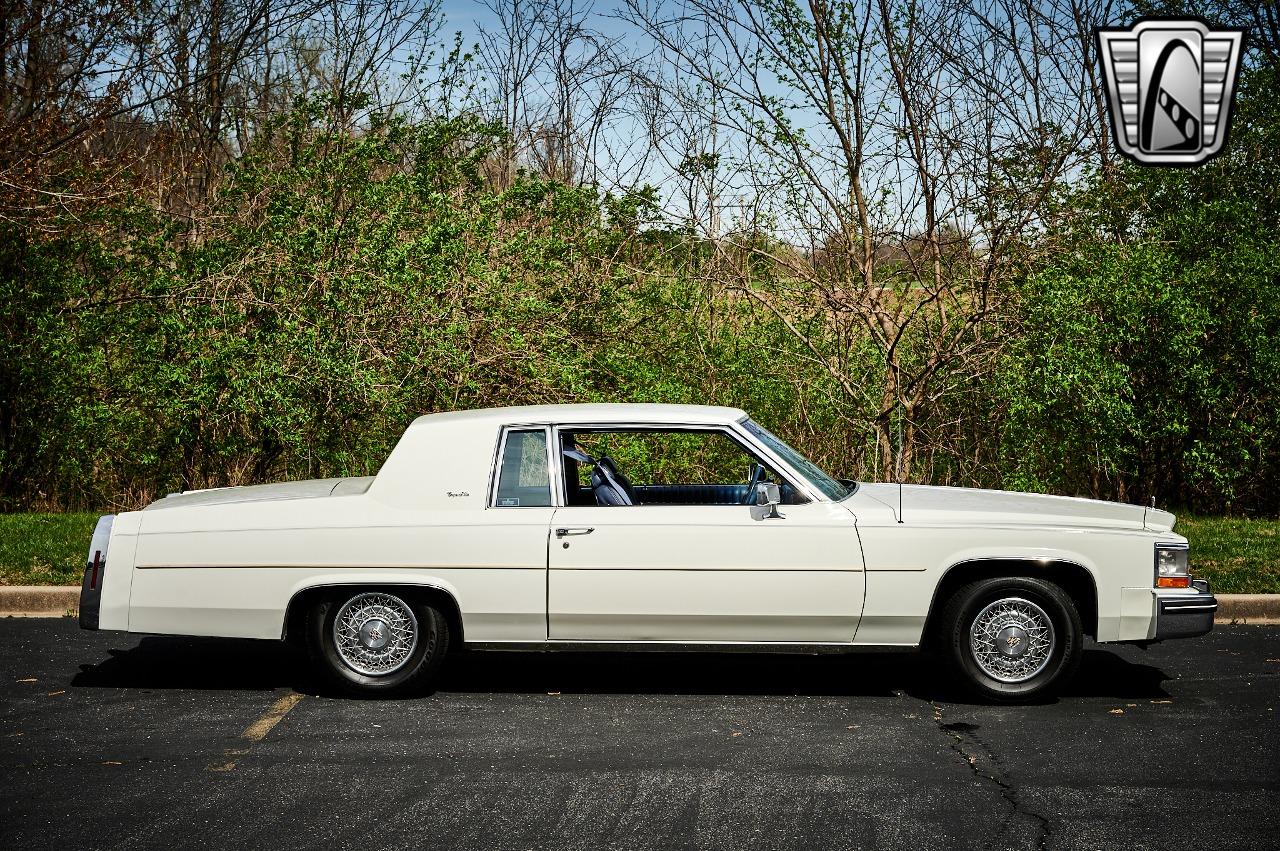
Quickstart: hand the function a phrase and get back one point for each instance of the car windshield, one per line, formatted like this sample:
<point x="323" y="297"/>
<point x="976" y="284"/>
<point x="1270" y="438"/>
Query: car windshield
<point x="811" y="471"/>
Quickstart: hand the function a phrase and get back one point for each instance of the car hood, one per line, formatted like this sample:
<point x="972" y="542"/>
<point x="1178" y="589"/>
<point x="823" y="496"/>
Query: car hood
<point x="969" y="506"/>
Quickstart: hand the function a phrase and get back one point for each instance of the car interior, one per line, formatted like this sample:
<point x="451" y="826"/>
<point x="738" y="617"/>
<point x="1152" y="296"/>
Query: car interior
<point x="662" y="467"/>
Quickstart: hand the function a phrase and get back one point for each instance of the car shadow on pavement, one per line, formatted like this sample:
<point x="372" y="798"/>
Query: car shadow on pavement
<point x="161" y="662"/>
<point x="685" y="673"/>
<point x="1106" y="674"/>
<point x="167" y="662"/>
<point x="1102" y="674"/>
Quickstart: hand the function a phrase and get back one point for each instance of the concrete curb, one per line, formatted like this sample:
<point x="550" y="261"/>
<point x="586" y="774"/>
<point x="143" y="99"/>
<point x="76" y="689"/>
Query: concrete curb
<point x="38" y="601"/>
<point x="1248" y="608"/>
<point x="52" y="601"/>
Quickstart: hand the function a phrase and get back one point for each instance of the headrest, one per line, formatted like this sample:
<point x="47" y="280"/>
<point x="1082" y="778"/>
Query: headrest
<point x="606" y="485"/>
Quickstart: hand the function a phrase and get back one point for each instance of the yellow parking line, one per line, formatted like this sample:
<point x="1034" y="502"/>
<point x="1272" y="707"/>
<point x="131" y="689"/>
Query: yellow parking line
<point x="258" y="730"/>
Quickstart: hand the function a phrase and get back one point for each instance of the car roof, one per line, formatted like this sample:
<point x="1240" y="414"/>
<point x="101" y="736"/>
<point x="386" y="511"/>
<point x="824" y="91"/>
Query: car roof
<point x="600" y="413"/>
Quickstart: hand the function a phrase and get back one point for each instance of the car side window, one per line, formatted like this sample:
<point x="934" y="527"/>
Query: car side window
<point x="523" y="479"/>
<point x="640" y="466"/>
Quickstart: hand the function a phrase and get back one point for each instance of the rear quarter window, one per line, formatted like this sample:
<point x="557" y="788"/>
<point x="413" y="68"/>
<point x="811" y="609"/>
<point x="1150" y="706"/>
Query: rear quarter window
<point x="523" y="477"/>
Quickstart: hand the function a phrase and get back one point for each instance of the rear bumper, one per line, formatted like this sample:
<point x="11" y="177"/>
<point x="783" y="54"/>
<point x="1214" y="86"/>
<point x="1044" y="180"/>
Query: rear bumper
<point x="90" y="599"/>
<point x="1186" y="615"/>
<point x="95" y="573"/>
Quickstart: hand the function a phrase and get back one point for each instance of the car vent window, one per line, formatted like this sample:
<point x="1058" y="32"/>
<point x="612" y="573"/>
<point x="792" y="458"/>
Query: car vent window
<point x="524" y="480"/>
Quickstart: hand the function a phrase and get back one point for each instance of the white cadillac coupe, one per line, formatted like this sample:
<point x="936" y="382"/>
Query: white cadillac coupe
<point x="640" y="527"/>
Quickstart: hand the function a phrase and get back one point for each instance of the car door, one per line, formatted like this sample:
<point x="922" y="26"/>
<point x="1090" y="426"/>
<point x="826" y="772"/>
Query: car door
<point x="704" y="573"/>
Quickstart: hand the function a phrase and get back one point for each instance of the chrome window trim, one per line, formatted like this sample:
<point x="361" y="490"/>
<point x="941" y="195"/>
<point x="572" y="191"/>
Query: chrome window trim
<point x="556" y="465"/>
<point x="500" y="452"/>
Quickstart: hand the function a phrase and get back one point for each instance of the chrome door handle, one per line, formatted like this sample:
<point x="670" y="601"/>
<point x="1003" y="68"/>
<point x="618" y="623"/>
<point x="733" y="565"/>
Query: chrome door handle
<point x="580" y="530"/>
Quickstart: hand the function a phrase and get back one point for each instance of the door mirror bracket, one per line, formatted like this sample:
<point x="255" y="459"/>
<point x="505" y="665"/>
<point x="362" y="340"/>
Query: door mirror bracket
<point x="769" y="495"/>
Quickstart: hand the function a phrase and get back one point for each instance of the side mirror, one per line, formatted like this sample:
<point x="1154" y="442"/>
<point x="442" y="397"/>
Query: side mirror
<point x="769" y="495"/>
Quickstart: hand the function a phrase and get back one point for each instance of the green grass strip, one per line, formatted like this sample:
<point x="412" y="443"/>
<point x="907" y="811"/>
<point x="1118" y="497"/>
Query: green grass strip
<point x="1236" y="555"/>
<point x="44" y="549"/>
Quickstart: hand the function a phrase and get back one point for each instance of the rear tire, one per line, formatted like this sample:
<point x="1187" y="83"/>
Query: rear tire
<point x="375" y="642"/>
<point x="1011" y="639"/>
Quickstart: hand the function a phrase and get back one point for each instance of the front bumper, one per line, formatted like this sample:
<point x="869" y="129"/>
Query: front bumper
<point x="1186" y="615"/>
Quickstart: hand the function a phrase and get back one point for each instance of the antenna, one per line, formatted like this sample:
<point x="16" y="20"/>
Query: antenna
<point x="897" y="465"/>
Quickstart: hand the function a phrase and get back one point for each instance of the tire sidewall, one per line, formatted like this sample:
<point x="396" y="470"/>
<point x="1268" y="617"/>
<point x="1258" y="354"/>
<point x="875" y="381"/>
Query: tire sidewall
<point x="1066" y="627"/>
<point x="432" y="639"/>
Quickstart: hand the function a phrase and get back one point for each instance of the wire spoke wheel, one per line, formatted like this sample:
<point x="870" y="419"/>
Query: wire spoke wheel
<point x="375" y="634"/>
<point x="1011" y="639"/>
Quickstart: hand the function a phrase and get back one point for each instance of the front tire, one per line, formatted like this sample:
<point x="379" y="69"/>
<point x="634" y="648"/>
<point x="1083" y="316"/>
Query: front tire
<point x="376" y="643"/>
<point x="1012" y="639"/>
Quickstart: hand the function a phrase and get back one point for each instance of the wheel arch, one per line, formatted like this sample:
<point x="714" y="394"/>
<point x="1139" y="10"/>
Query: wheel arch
<point x="1076" y="580"/>
<point x="293" y="628"/>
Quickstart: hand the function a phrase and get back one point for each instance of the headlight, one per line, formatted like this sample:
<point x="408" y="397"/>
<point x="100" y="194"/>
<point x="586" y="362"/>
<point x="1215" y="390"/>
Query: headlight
<point x="1171" y="566"/>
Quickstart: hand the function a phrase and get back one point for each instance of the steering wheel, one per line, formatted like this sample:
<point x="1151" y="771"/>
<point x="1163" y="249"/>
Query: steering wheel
<point x="757" y="473"/>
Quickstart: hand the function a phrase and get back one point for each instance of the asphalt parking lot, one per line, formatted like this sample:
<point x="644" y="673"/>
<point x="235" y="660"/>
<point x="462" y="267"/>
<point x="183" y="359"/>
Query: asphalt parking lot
<point x="112" y="741"/>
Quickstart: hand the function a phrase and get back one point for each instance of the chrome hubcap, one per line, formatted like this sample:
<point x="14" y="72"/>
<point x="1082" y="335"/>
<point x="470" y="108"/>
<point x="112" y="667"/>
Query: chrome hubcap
<point x="1011" y="639"/>
<point x="375" y="633"/>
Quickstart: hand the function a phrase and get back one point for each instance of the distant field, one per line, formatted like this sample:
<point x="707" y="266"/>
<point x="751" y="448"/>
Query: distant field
<point x="1238" y="556"/>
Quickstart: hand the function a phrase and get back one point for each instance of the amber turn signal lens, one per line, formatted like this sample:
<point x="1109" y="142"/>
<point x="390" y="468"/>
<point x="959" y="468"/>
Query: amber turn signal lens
<point x="1173" y="582"/>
